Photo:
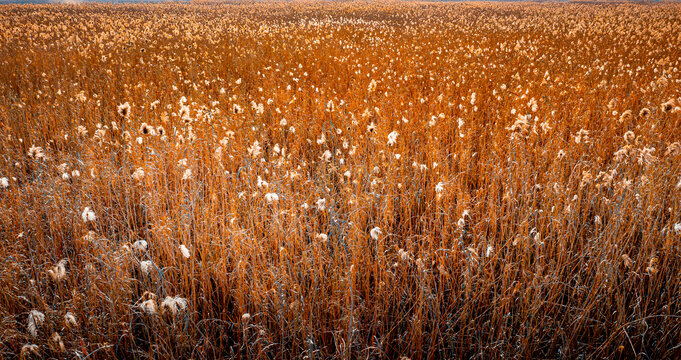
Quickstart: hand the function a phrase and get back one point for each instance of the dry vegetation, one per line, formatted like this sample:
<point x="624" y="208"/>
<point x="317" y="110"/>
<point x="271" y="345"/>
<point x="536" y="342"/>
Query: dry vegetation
<point x="340" y="181"/>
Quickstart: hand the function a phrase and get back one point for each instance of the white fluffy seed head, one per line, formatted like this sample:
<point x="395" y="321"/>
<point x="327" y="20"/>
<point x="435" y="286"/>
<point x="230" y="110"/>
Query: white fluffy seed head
<point x="138" y="175"/>
<point x="140" y="245"/>
<point x="392" y="138"/>
<point x="174" y="305"/>
<point x="70" y="321"/>
<point x="146" y="266"/>
<point x="35" y="321"/>
<point x="148" y="306"/>
<point x="185" y="252"/>
<point x="376" y="233"/>
<point x="88" y="215"/>
<point x="58" y="272"/>
<point x="168" y="304"/>
<point x="57" y="343"/>
<point x="403" y="254"/>
<point x="181" y="303"/>
<point x="28" y="349"/>
<point x="271" y="198"/>
<point x="321" y="204"/>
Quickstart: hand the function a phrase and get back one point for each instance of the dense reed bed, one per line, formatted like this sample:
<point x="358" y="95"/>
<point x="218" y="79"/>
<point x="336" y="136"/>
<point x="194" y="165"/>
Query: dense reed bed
<point x="340" y="180"/>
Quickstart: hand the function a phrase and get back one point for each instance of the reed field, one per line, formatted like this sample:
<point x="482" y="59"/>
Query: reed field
<point x="355" y="180"/>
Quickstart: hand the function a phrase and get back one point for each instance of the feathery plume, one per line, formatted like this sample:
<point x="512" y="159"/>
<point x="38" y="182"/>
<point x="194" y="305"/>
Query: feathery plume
<point x="70" y="321"/>
<point x="57" y="343"/>
<point x="29" y="349"/>
<point x="174" y="305"/>
<point x="148" y="306"/>
<point x="35" y="320"/>
<point x="58" y="272"/>
<point x="36" y="152"/>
